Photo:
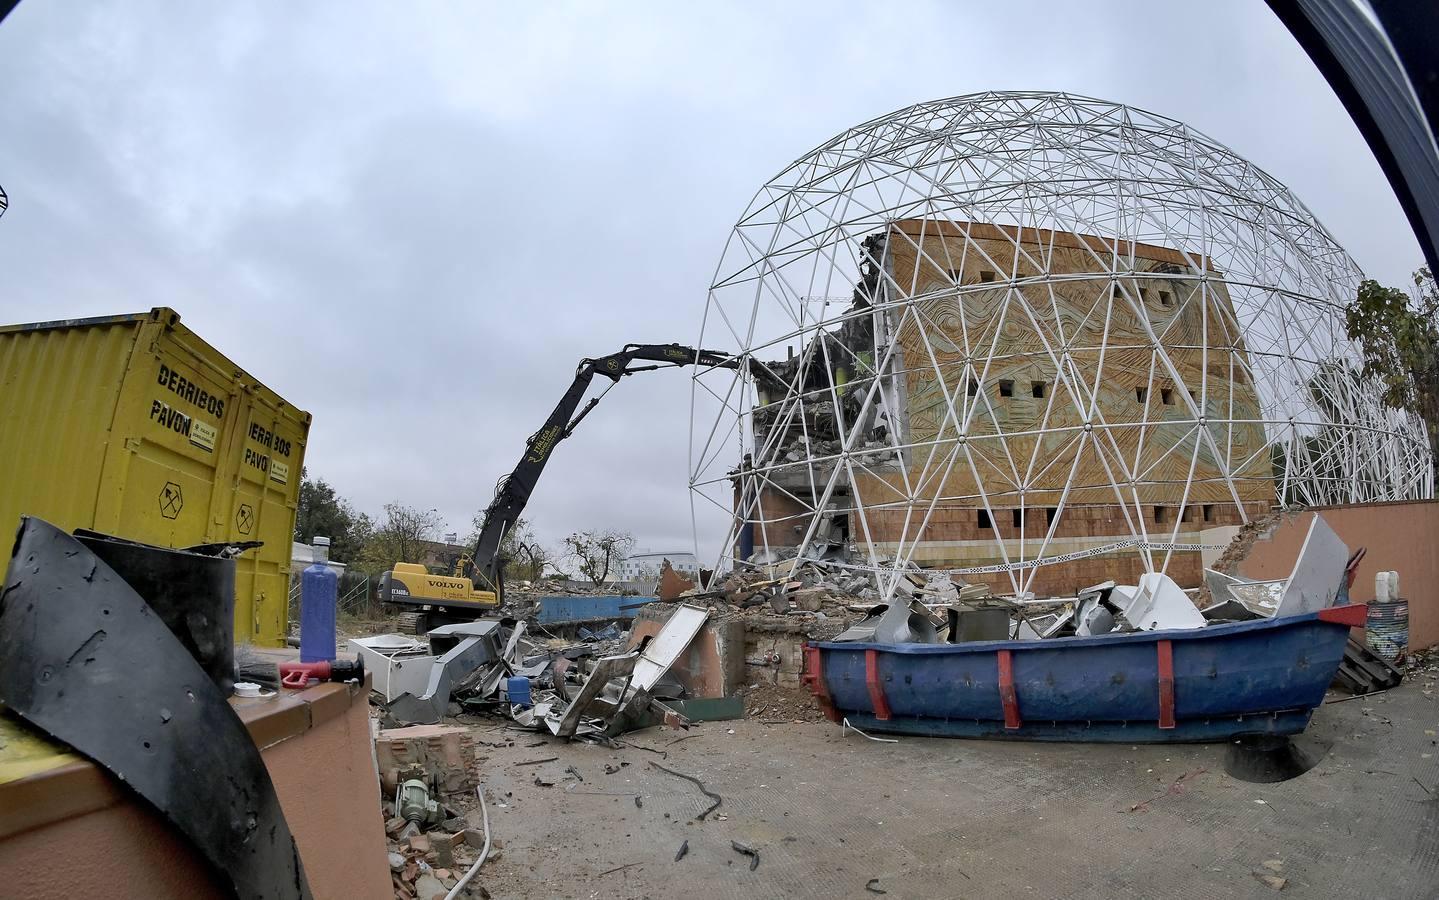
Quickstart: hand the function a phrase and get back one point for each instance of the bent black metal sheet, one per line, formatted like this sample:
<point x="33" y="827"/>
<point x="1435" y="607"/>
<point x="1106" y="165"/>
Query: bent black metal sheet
<point x="83" y="658"/>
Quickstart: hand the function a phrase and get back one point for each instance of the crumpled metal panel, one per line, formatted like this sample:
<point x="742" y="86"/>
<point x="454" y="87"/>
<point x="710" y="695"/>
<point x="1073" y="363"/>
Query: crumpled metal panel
<point x="1156" y="603"/>
<point x="83" y="658"/>
<point x="1318" y="572"/>
<point x="659" y="654"/>
<point x="398" y="663"/>
<point x="464" y="648"/>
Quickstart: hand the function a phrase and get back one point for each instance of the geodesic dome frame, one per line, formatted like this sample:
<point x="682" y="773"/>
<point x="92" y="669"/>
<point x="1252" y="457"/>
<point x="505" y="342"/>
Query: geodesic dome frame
<point x="953" y="306"/>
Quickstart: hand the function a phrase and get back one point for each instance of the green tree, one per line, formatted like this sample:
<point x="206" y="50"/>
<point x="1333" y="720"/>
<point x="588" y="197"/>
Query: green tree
<point x="595" y="552"/>
<point x="1399" y="337"/>
<point x="406" y="534"/>
<point x="322" y="511"/>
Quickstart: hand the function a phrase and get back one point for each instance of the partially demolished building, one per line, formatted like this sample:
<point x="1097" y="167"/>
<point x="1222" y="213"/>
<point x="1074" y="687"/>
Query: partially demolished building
<point x="1036" y="341"/>
<point x="1015" y="294"/>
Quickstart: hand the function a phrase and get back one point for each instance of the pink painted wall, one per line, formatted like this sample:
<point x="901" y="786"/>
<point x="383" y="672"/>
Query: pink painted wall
<point x="330" y="791"/>
<point x="124" y="851"/>
<point x="1399" y="536"/>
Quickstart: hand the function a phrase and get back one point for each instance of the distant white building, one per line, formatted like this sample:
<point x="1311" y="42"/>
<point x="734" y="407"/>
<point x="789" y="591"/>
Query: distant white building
<point x="645" y="565"/>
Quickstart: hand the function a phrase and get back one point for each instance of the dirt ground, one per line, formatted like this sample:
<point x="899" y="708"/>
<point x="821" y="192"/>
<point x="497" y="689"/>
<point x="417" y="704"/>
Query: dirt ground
<point x="775" y="705"/>
<point x="830" y="813"/>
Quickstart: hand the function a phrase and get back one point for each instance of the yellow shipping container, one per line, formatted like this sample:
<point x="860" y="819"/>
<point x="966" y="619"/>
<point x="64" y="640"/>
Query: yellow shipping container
<point x="134" y="426"/>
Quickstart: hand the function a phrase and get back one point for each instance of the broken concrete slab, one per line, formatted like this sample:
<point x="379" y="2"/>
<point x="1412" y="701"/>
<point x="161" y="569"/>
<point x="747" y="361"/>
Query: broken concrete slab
<point x="445" y="752"/>
<point x="445" y="845"/>
<point x="428" y="887"/>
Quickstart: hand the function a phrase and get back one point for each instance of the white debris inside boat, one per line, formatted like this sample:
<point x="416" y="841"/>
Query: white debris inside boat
<point x="1156" y="603"/>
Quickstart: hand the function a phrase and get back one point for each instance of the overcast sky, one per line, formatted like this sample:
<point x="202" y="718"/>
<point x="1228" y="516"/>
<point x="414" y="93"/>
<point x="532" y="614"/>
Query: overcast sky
<point x="413" y="219"/>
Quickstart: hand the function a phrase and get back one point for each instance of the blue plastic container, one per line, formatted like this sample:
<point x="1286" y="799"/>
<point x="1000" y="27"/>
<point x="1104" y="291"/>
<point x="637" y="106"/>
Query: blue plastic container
<point x="517" y="687"/>
<point x="319" y="586"/>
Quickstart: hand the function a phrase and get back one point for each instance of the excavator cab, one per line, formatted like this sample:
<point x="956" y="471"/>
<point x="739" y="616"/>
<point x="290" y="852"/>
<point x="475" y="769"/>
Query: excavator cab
<point x="429" y="601"/>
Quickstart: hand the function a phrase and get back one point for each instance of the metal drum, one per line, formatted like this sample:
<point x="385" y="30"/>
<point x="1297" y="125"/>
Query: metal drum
<point x="1387" y="627"/>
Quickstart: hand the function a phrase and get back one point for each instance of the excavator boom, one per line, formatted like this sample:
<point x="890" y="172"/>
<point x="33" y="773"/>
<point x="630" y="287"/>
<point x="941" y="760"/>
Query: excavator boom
<point x="438" y="598"/>
<point x="512" y="493"/>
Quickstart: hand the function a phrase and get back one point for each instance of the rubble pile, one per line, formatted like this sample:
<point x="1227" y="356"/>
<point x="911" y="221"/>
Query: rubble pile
<point x="813" y="587"/>
<point x="429" y="775"/>
<point x="596" y="687"/>
<point x="773" y="705"/>
<point x="527" y="591"/>
<point x="428" y="864"/>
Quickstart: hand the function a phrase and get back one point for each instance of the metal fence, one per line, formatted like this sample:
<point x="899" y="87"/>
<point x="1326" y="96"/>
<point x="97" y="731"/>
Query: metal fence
<point x="355" y="597"/>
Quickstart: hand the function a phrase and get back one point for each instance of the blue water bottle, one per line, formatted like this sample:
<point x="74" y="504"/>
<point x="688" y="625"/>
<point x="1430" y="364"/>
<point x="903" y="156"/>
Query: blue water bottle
<point x="319" y="586"/>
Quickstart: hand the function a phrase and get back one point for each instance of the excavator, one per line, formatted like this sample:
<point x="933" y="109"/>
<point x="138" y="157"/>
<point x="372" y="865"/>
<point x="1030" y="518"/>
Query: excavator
<point x="477" y="585"/>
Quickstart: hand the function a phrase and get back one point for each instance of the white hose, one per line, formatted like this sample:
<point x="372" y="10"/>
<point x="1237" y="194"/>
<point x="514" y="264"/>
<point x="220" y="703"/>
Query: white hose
<point x="845" y="726"/>
<point x="485" y="814"/>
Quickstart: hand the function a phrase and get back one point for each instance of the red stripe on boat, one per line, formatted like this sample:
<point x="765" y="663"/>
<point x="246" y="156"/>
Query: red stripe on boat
<point x="1166" y="684"/>
<point x="813" y="678"/>
<point x="876" y="690"/>
<point x="1007" y="695"/>
<point x="1351" y="614"/>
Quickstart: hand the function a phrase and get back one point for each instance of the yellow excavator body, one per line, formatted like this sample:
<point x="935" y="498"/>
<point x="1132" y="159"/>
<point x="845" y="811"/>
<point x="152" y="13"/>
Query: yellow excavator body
<point x="411" y="583"/>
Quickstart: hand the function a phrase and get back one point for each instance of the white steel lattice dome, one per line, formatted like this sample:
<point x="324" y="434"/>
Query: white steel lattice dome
<point x="1000" y="328"/>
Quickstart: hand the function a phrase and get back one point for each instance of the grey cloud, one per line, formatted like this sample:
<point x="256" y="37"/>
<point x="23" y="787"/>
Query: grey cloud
<point x="401" y="215"/>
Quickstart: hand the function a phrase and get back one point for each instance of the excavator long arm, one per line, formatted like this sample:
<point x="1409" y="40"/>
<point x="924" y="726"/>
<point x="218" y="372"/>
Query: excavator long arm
<point x="513" y="491"/>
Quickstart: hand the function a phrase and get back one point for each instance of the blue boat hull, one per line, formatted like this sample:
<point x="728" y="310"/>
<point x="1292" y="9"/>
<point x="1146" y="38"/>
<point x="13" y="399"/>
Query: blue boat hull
<point x="1206" y="684"/>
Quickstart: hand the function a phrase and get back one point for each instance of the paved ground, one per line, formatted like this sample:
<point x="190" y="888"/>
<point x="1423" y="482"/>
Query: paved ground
<point x="945" y="818"/>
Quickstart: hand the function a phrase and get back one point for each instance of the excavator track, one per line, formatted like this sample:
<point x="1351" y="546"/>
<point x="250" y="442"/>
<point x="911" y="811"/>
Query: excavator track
<point x="413" y="623"/>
